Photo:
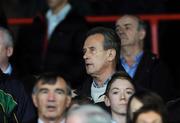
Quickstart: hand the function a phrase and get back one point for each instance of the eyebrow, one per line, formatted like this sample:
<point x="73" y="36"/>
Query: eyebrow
<point x="42" y="89"/>
<point x="57" y="89"/>
<point x="127" y="24"/>
<point x="125" y="88"/>
<point x="61" y="90"/>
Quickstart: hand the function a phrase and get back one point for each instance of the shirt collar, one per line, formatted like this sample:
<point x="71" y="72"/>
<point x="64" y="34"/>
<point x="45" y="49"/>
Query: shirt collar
<point x="8" y="70"/>
<point x="40" y="121"/>
<point x="104" y="84"/>
<point x="137" y="58"/>
<point x="61" y="14"/>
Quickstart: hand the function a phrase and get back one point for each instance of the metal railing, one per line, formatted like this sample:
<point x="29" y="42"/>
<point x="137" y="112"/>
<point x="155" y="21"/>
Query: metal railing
<point x="152" y="19"/>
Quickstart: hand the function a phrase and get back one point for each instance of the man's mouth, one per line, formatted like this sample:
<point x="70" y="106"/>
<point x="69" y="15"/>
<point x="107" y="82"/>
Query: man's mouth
<point x="51" y="108"/>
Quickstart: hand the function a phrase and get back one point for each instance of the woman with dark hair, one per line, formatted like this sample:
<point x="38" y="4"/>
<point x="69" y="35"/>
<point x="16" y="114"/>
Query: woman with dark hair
<point x="146" y="101"/>
<point x="150" y="114"/>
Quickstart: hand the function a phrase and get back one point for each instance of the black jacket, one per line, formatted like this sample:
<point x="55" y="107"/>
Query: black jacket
<point x="154" y="75"/>
<point x="64" y="51"/>
<point x="23" y="111"/>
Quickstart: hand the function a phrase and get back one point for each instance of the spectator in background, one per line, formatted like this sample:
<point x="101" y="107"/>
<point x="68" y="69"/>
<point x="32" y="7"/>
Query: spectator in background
<point x="9" y="85"/>
<point x="143" y="66"/>
<point x="147" y="100"/>
<point x="6" y="51"/>
<point x="173" y="108"/>
<point x="88" y="114"/>
<point x="51" y="96"/>
<point x="54" y="43"/>
<point x="119" y="89"/>
<point x="101" y="54"/>
<point x="16" y="106"/>
<point x="150" y="114"/>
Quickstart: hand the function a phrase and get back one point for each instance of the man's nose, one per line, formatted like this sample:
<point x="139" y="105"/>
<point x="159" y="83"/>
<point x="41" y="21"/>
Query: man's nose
<point x="51" y="96"/>
<point x="122" y="96"/>
<point x="85" y="56"/>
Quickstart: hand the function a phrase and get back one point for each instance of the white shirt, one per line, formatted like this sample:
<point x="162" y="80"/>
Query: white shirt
<point x="112" y="121"/>
<point x="55" y="19"/>
<point x="8" y="70"/>
<point x="96" y="93"/>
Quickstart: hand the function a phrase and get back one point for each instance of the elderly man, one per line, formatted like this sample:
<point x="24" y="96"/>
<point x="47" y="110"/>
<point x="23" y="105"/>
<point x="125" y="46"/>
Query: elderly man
<point x="101" y="55"/>
<point x="52" y="96"/>
<point x="142" y="65"/>
<point x="88" y="114"/>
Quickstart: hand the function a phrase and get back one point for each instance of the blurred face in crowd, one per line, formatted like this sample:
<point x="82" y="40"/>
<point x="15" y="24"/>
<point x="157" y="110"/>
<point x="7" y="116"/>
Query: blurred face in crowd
<point x="149" y="117"/>
<point x="5" y="50"/>
<point x="96" y="58"/>
<point x="75" y="118"/>
<point x="135" y="105"/>
<point x="127" y="29"/>
<point x="52" y="100"/>
<point x="56" y="4"/>
<point x="118" y="96"/>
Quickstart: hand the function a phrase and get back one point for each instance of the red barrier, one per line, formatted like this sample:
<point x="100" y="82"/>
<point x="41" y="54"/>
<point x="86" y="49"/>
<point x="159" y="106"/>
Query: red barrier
<point x="153" y="20"/>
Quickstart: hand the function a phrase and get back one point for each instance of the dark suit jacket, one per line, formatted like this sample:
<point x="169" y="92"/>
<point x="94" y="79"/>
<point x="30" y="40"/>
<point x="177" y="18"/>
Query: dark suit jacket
<point x="24" y="109"/>
<point x="64" y="50"/>
<point x="154" y="75"/>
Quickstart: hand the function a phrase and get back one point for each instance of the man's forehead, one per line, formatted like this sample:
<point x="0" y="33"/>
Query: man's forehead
<point x="127" y="20"/>
<point x="94" y="40"/>
<point x="58" y="83"/>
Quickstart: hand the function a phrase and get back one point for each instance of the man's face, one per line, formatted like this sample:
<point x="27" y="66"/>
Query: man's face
<point x="94" y="54"/>
<point x="120" y="92"/>
<point x="51" y="100"/>
<point x="56" y="3"/>
<point x="5" y="51"/>
<point x="127" y="29"/>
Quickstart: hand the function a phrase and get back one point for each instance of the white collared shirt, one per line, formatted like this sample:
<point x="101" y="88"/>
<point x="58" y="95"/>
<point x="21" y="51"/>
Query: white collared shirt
<point x="55" y="19"/>
<point x="8" y="70"/>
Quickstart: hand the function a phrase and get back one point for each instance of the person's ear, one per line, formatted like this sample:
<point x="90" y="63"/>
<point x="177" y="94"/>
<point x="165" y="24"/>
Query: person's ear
<point x="9" y="51"/>
<point x="68" y="101"/>
<point x="142" y="34"/>
<point x="111" y="54"/>
<point x="106" y="101"/>
<point x="34" y="99"/>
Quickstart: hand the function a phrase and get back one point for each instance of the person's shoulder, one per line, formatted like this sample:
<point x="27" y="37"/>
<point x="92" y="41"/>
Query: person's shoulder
<point x="11" y="85"/>
<point x="150" y="58"/>
<point x="150" y="55"/>
<point x="34" y="120"/>
<point x="73" y="15"/>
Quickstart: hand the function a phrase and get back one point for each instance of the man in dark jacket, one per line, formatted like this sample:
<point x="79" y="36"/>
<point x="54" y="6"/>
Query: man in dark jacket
<point x="101" y="55"/>
<point x="16" y="106"/>
<point x="54" y="43"/>
<point x="143" y="66"/>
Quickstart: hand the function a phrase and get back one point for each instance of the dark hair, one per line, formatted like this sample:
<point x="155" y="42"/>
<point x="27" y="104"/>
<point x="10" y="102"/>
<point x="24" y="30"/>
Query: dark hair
<point x="147" y="98"/>
<point x="111" y="40"/>
<point x="119" y="75"/>
<point x="159" y="109"/>
<point x="141" y="23"/>
<point x="51" y="79"/>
